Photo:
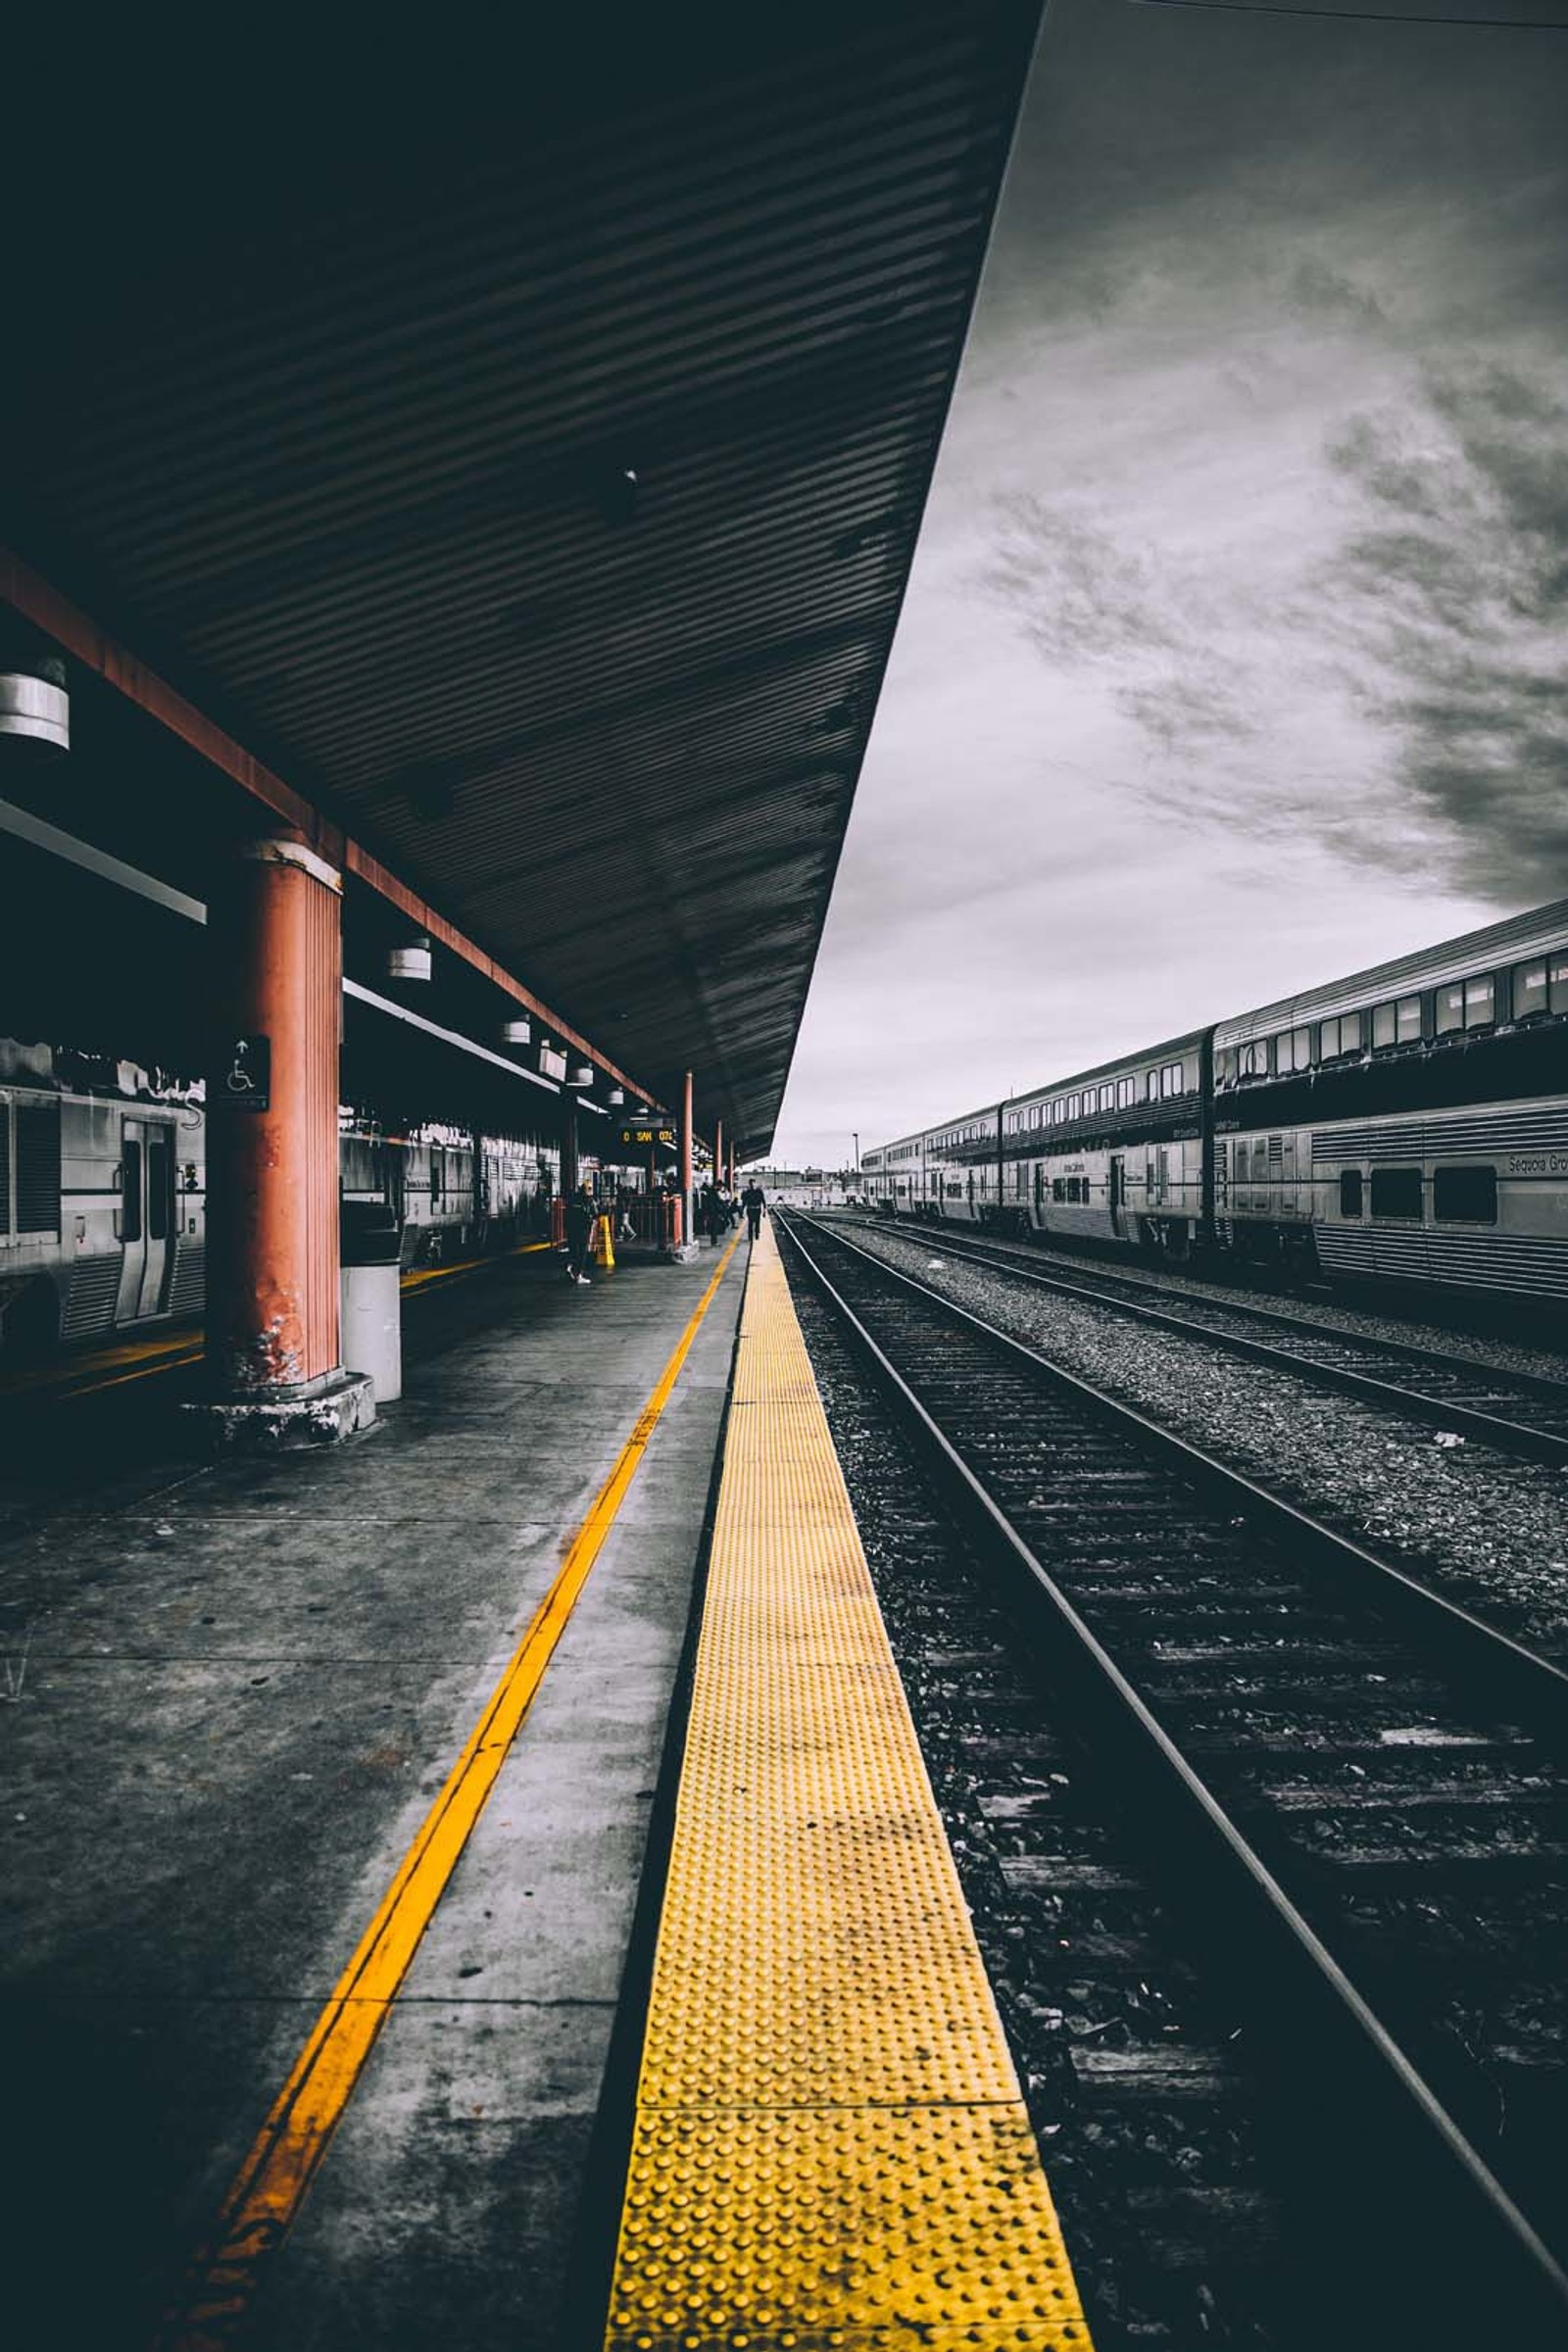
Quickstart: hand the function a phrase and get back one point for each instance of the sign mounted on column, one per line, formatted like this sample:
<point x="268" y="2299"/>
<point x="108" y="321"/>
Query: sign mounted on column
<point x="245" y="1075"/>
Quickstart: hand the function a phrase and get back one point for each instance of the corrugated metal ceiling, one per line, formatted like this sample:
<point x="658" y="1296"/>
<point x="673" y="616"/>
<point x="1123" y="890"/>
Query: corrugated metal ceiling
<point x="349" y="452"/>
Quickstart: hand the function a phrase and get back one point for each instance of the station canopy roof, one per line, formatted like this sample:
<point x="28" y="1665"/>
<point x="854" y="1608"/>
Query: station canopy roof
<point x="521" y="450"/>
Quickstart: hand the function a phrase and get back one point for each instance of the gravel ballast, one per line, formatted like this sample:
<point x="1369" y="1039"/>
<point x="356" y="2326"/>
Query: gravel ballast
<point x="1491" y="1531"/>
<point x="1490" y="1349"/>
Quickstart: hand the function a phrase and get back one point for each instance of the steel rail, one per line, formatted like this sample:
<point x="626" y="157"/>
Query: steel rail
<point x="1232" y="1868"/>
<point x="1469" y="1420"/>
<point x="1520" y="1676"/>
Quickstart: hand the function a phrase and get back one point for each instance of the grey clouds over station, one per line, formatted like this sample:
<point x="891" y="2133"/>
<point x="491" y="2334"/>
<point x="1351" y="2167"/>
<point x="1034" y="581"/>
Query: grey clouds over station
<point x="1234" y="655"/>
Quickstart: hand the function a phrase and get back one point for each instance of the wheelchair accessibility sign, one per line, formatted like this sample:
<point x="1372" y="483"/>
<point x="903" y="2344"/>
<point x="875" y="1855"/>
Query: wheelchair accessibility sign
<point x="243" y="1075"/>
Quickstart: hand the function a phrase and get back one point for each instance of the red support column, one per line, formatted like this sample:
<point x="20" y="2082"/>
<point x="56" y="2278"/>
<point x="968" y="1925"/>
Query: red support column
<point x="688" y="1225"/>
<point x="275" y="1371"/>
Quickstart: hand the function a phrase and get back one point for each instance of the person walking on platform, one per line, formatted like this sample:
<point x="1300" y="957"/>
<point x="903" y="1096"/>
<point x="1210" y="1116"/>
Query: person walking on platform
<point x="713" y="1212"/>
<point x="753" y="1199"/>
<point x="579" y="1234"/>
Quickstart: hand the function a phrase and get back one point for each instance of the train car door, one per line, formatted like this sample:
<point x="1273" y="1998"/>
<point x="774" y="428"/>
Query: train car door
<point x="146" y="1218"/>
<point x="1119" y="1190"/>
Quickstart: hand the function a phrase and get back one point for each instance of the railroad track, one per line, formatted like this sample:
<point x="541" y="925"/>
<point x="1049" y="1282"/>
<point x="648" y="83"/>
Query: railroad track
<point x="1360" y="1789"/>
<point x="1519" y="1413"/>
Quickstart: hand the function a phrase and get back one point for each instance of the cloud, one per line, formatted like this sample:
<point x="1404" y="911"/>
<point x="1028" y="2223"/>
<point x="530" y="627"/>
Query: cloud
<point x="1452" y="589"/>
<point x="1086" y="597"/>
<point x="1370" y="657"/>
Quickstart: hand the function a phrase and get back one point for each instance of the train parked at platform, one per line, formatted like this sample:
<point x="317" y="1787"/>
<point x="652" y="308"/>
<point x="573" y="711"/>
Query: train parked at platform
<point x="1408" y="1124"/>
<point x="103" y="1194"/>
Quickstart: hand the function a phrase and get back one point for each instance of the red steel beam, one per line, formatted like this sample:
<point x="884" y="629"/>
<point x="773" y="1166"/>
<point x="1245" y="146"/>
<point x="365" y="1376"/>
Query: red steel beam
<point x="85" y="641"/>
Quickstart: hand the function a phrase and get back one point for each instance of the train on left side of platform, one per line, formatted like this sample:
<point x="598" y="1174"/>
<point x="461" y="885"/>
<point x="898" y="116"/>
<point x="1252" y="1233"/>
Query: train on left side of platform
<point x="103" y="1194"/>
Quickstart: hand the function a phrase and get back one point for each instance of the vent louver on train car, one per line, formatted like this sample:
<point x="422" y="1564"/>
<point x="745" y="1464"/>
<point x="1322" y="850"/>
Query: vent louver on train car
<point x="190" y="1268"/>
<point x="90" y="1299"/>
<point x="37" y="1167"/>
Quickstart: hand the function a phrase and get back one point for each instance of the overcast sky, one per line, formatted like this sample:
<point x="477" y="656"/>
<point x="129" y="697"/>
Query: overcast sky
<point x="1233" y="657"/>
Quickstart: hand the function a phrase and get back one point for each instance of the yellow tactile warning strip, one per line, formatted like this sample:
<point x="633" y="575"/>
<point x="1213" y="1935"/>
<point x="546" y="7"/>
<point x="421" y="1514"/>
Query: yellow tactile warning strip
<point x="830" y="2147"/>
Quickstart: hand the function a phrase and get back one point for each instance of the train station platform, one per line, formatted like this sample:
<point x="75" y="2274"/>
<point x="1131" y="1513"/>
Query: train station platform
<point x="258" y="1780"/>
<point x="357" y="1995"/>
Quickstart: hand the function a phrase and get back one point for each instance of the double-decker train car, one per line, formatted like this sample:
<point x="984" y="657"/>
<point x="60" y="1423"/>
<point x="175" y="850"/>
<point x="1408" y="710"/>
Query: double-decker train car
<point x="103" y="1194"/>
<point x="953" y="1172"/>
<point x="1407" y="1125"/>
<point x="1115" y="1153"/>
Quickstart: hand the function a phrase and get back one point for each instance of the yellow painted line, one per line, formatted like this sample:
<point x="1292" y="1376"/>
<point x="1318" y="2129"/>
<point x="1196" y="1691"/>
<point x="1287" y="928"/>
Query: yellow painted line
<point x="146" y="1353"/>
<point x="168" y="1351"/>
<point x="170" y="1359"/>
<point x="271" y="2183"/>
<point x="830" y="2147"/>
<point x="467" y="1266"/>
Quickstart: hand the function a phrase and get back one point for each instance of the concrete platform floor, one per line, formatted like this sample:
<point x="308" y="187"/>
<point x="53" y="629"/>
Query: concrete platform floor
<point x="231" y="1692"/>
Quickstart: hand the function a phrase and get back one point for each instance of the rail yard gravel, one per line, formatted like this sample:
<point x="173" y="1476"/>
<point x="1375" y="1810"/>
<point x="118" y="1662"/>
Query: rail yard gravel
<point x="1492" y="1532"/>
<point x="1395" y="1330"/>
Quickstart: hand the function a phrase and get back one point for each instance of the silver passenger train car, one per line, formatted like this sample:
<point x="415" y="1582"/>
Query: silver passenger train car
<point x="1411" y="1123"/>
<point x="1407" y="1125"/>
<point x="103" y="1194"/>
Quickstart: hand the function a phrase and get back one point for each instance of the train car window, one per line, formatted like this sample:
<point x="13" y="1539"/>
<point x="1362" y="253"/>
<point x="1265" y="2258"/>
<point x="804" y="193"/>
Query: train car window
<point x="1449" y="1014"/>
<point x="1557" y="982"/>
<point x="1225" y="1067"/>
<point x="1528" y="990"/>
<point x="1255" y="1058"/>
<point x="131" y="1193"/>
<point x="1465" y="1196"/>
<point x="1351" y="1033"/>
<point x="1301" y="1041"/>
<point x="157" y="1189"/>
<point x="1124" y="1093"/>
<point x="1328" y="1040"/>
<point x="1058" y="1188"/>
<point x="1408" y="1011"/>
<point x="1481" y="1002"/>
<point x="1397" y="1192"/>
<point x="1349" y="1192"/>
<point x="1284" y="1057"/>
<point x="1059" y="1111"/>
<point x="1385" y="1028"/>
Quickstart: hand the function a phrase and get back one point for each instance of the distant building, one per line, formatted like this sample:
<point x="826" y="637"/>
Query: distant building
<point x="803" y="1188"/>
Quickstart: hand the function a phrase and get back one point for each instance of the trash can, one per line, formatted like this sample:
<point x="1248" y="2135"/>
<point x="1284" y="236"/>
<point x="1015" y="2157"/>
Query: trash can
<point x="372" y="1304"/>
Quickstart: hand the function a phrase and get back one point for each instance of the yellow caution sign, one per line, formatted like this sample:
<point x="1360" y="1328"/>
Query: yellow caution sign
<point x="603" y="1246"/>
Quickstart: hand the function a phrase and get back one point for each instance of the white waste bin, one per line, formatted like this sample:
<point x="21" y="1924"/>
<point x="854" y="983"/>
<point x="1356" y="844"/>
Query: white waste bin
<point x="372" y="1298"/>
